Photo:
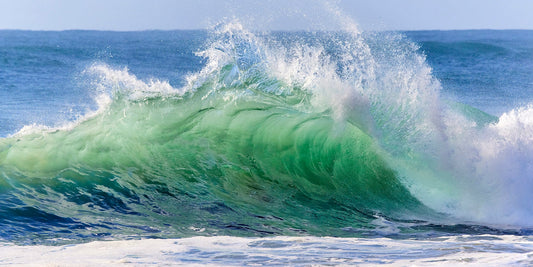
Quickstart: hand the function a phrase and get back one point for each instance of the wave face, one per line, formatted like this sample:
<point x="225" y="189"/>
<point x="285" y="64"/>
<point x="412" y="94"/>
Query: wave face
<point x="341" y="134"/>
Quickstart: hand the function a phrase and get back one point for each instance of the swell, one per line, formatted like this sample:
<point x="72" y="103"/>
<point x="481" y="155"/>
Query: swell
<point x="339" y="134"/>
<point x="173" y="166"/>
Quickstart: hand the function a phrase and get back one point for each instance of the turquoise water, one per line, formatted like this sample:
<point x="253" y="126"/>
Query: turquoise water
<point x="112" y="135"/>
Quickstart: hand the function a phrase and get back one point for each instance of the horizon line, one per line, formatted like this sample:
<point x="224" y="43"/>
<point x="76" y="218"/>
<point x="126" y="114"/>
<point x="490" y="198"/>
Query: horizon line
<point x="262" y="30"/>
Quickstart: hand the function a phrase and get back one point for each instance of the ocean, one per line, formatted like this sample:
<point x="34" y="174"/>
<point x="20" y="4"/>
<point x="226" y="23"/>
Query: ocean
<point x="237" y="147"/>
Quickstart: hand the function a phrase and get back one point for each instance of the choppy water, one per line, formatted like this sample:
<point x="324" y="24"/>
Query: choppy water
<point x="390" y="140"/>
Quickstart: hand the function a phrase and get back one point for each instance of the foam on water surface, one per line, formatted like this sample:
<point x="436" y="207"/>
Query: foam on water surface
<point x="479" y="250"/>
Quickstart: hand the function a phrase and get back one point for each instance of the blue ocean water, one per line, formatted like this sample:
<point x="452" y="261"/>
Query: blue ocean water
<point x="41" y="72"/>
<point x="176" y="134"/>
<point x="487" y="69"/>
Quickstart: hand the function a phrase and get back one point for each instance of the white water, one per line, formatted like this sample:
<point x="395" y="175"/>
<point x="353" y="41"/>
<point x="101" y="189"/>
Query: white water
<point x="481" y="250"/>
<point x="474" y="173"/>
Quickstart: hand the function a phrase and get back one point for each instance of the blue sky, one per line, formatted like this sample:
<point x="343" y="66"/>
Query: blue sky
<point x="127" y="15"/>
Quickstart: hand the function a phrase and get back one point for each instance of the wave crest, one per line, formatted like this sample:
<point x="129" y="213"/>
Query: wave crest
<point x="278" y="133"/>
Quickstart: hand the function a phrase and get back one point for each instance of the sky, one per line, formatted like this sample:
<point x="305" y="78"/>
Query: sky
<point x="131" y="15"/>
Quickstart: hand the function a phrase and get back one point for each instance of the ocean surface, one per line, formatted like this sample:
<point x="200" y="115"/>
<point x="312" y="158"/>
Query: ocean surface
<point x="234" y="147"/>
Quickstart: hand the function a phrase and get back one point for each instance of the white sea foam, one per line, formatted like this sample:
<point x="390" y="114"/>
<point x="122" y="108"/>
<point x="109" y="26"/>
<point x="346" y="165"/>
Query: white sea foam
<point x="505" y="167"/>
<point x="484" y="250"/>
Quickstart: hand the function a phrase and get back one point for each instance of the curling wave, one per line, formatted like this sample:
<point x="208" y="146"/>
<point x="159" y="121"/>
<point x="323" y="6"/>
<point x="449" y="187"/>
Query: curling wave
<point x="280" y="133"/>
